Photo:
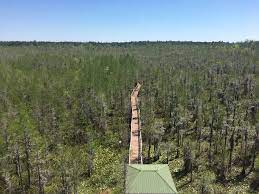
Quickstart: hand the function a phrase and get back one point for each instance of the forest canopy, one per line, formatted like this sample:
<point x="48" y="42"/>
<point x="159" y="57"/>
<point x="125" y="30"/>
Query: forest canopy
<point x="65" y="114"/>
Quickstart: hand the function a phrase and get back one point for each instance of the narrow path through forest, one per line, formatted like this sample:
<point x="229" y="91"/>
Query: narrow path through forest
<point x="135" y="152"/>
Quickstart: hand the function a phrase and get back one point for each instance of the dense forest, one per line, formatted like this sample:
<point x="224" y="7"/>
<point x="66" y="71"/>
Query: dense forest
<point x="65" y="114"/>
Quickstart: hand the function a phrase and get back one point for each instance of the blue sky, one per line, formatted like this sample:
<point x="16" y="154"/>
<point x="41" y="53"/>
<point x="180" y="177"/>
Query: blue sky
<point x="129" y="20"/>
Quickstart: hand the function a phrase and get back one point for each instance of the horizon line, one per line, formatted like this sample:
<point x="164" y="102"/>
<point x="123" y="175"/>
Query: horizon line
<point x="129" y="41"/>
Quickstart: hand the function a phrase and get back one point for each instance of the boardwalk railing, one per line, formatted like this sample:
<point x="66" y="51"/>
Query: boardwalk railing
<point x="140" y="139"/>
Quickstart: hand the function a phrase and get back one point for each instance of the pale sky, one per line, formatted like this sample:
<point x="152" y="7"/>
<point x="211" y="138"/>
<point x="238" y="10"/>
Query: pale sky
<point x="129" y="20"/>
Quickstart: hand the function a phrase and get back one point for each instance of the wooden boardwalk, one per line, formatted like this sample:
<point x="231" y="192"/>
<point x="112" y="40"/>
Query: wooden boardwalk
<point x="135" y="152"/>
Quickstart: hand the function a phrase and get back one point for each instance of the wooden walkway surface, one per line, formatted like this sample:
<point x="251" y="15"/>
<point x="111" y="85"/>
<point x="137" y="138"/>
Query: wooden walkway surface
<point x="135" y="152"/>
